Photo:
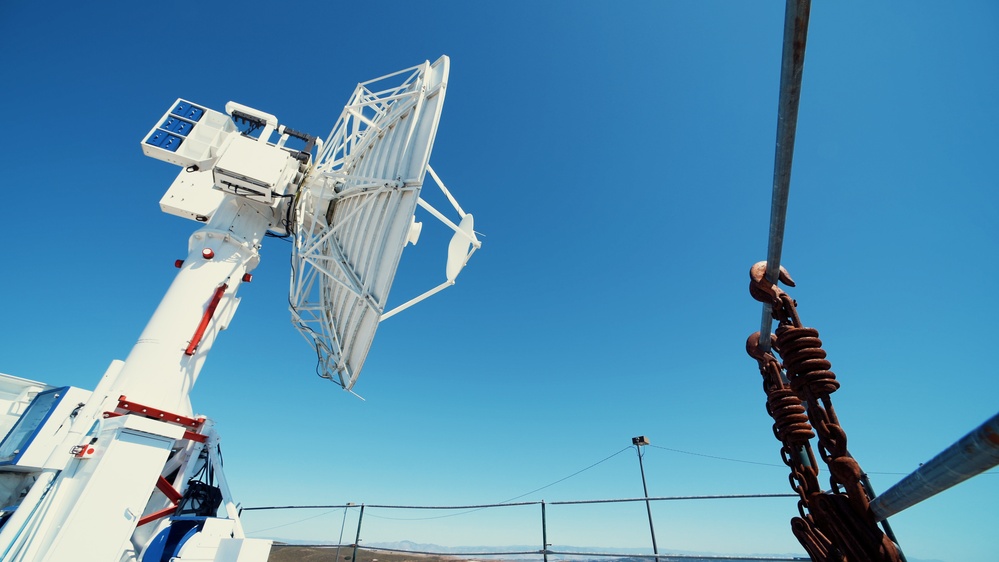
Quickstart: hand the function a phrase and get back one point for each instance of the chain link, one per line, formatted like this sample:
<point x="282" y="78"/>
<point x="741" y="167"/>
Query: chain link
<point x="837" y="526"/>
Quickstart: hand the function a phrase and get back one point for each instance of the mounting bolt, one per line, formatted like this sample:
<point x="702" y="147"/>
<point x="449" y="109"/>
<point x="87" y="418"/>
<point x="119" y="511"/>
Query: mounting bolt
<point x="207" y="253"/>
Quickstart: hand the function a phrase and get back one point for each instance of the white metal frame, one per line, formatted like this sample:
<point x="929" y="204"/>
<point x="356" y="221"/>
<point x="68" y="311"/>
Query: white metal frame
<point x="354" y="215"/>
<point x="472" y="244"/>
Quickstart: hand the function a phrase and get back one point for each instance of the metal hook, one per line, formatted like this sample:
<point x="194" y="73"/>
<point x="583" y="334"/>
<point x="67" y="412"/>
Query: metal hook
<point x="755" y="351"/>
<point x="762" y="289"/>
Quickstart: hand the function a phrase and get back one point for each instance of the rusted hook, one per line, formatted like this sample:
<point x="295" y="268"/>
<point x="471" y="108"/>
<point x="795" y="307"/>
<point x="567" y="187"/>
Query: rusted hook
<point x="753" y="347"/>
<point x="762" y="289"/>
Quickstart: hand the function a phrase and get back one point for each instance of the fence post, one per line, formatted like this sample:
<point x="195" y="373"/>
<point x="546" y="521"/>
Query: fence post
<point x="544" y="532"/>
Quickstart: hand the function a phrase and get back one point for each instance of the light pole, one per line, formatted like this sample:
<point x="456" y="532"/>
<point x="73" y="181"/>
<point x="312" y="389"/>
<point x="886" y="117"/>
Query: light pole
<point x="640" y="442"/>
<point x="342" y="525"/>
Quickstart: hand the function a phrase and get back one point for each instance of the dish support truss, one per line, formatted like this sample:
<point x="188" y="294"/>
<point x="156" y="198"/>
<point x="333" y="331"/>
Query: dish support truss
<point x="354" y="215"/>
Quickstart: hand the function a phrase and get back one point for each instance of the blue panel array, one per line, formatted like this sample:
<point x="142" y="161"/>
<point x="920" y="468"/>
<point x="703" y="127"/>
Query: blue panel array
<point x="175" y="128"/>
<point x="176" y="125"/>
<point x="157" y="137"/>
<point x="188" y="111"/>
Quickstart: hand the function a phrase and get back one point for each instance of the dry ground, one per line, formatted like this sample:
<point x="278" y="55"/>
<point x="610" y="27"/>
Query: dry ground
<point x="281" y="553"/>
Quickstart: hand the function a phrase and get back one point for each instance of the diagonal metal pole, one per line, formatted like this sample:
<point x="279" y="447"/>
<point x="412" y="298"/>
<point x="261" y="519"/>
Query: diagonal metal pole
<point x="971" y="455"/>
<point x="791" y="67"/>
<point x="796" y="13"/>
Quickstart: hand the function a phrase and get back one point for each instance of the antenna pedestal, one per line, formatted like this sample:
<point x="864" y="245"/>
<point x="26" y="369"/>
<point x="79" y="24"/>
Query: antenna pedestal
<point x="164" y="364"/>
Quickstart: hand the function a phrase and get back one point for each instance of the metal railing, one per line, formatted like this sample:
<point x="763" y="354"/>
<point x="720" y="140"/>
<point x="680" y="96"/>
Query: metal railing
<point x="545" y="549"/>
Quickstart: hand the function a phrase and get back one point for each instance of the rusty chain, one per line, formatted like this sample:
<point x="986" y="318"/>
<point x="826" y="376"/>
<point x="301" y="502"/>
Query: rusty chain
<point x="834" y="526"/>
<point x="792" y="428"/>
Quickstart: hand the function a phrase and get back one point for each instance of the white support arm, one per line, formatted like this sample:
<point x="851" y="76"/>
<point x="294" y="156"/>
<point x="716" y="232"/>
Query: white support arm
<point x="450" y="197"/>
<point x="430" y="209"/>
<point x="415" y="300"/>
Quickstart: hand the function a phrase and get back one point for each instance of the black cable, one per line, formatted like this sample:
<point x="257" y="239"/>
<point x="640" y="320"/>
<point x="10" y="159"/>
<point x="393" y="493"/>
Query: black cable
<point x="570" y="476"/>
<point x="718" y="458"/>
<point x="473" y="509"/>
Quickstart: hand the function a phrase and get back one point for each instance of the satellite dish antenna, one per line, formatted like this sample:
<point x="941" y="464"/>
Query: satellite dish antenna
<point x="135" y="445"/>
<point x="355" y="213"/>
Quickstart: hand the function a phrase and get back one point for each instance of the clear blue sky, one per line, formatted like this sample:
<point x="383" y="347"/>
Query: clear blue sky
<point x="618" y="159"/>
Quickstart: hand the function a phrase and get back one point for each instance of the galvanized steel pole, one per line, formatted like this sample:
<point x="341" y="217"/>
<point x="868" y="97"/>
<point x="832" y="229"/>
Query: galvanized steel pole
<point x="791" y="67"/>
<point x="973" y="454"/>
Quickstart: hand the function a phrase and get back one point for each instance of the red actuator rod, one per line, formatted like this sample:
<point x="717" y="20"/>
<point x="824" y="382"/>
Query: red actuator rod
<point x="209" y="312"/>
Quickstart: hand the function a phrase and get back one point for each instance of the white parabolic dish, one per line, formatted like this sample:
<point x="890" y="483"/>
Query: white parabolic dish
<point x="354" y="214"/>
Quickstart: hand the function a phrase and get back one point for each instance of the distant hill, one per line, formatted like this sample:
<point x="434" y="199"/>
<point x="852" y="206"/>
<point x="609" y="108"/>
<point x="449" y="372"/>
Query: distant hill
<point x="296" y="553"/>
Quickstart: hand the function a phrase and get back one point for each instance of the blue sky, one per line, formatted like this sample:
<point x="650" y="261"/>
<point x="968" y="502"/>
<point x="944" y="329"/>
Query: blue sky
<point x="618" y="159"/>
